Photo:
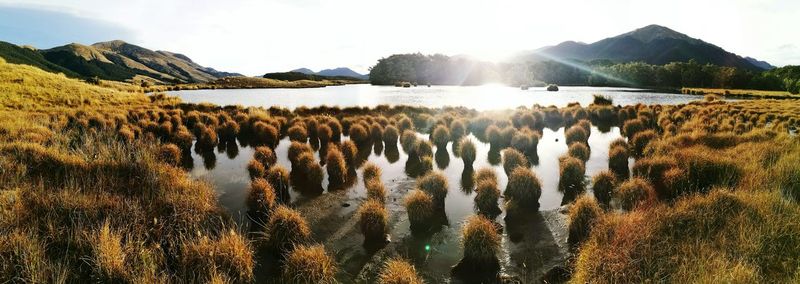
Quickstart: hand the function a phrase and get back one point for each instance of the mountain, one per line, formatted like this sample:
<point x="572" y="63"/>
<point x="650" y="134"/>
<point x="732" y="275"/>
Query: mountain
<point x="762" y="64"/>
<point x="336" y="72"/>
<point x="113" y="60"/>
<point x="13" y="53"/>
<point x="652" y="44"/>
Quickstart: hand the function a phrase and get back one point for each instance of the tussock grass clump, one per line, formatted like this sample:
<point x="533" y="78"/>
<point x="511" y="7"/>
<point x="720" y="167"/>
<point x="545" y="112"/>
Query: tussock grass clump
<point x="572" y="174"/>
<point x="359" y="134"/>
<point x="376" y="132"/>
<point x="618" y="162"/>
<point x="481" y="243"/>
<point x="390" y="136"/>
<point x="582" y="217"/>
<point x="408" y="141"/>
<point x="419" y="206"/>
<point x="513" y="159"/>
<point x="486" y="197"/>
<point x="405" y="123"/>
<point x="206" y="139"/>
<point x="788" y="176"/>
<point x="286" y="229"/>
<point x="265" y="134"/>
<point x="399" y="271"/>
<point x="524" y="188"/>
<point x="265" y="155"/>
<point x="580" y="151"/>
<point x="298" y="133"/>
<point x="228" y="255"/>
<point x="324" y="134"/>
<point x="458" y="130"/>
<point x="631" y="127"/>
<point x="307" y="174"/>
<point x="169" y="154"/>
<point x="435" y="184"/>
<point x="524" y="142"/>
<point x="486" y="174"/>
<point x="228" y="131"/>
<point x="373" y="220"/>
<point x="336" y="167"/>
<point x="261" y="199"/>
<point x="603" y="185"/>
<point x="576" y="133"/>
<point x="494" y="137"/>
<point x="641" y="140"/>
<point x="108" y="255"/>
<point x="350" y="153"/>
<point x="634" y="193"/>
<point x="440" y="136"/>
<point x="423" y="148"/>
<point x="468" y="152"/>
<point x="296" y="149"/>
<point x="375" y="190"/>
<point x="278" y="177"/>
<point x="256" y="169"/>
<point x="371" y="171"/>
<point x="309" y="264"/>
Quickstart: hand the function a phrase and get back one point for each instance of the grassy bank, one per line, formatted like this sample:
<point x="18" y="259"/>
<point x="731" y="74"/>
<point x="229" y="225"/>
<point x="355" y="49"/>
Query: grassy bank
<point x="92" y="188"/>
<point x="740" y="93"/>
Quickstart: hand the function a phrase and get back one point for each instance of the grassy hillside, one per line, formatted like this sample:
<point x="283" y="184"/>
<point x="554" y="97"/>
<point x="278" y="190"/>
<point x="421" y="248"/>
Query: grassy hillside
<point x="22" y="55"/>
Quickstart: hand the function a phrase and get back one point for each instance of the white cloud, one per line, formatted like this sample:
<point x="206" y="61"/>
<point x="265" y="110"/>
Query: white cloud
<point x="254" y="37"/>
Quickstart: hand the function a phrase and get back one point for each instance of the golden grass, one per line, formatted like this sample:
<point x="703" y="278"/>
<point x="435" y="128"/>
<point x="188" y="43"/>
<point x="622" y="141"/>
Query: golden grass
<point x="738" y="92"/>
<point x="309" y="264"/>
<point x="399" y="271"/>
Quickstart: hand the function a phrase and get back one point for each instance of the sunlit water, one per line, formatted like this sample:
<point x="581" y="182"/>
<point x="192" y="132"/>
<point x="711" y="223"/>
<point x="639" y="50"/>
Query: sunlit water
<point x="487" y="97"/>
<point x="227" y="171"/>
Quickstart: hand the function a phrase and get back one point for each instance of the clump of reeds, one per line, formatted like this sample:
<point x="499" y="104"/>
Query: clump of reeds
<point x="435" y="184"/>
<point x="390" y="136"/>
<point x="359" y="134"/>
<point x="256" y="169"/>
<point x="308" y="174"/>
<point x="618" y="162"/>
<point x="458" y="130"/>
<point x="373" y="219"/>
<point x="265" y="155"/>
<point x="440" y="136"/>
<point x="296" y="149"/>
<point x="420" y="208"/>
<point x="170" y="154"/>
<point x="286" y="229"/>
<point x="524" y="188"/>
<point x="298" y="133"/>
<point x="375" y="190"/>
<point x="324" y="134"/>
<point x="603" y="185"/>
<point x="228" y="256"/>
<point x="582" y="217"/>
<point x="640" y="141"/>
<point x="631" y="127"/>
<point x="371" y="171"/>
<point x="376" y="132"/>
<point x="278" y="177"/>
<point x="513" y="159"/>
<point x="572" y="172"/>
<point x="309" y="264"/>
<point x="487" y="194"/>
<point x="576" y="133"/>
<point x="635" y="192"/>
<point x="399" y="271"/>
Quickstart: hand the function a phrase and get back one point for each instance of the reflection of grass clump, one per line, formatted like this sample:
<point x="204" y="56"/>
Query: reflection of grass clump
<point x="390" y="135"/>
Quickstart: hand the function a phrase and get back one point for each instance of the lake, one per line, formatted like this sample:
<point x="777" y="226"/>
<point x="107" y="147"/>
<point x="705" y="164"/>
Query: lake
<point x="486" y="97"/>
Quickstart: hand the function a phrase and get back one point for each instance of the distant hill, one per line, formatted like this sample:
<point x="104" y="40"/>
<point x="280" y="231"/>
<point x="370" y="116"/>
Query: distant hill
<point x="113" y="60"/>
<point x="652" y="44"/>
<point x="761" y="64"/>
<point x="25" y="55"/>
<point x="336" y="72"/>
<point x="297" y="76"/>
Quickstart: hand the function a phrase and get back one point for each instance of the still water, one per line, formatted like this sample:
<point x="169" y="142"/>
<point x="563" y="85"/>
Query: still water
<point x="486" y="97"/>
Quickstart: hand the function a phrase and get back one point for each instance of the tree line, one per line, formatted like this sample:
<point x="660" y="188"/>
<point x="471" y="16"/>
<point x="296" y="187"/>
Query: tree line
<point x="444" y="70"/>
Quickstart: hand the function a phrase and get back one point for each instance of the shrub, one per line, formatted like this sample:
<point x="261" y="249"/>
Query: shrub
<point x="524" y="188"/>
<point x="576" y="133"/>
<point x="419" y="206"/>
<point x="640" y="141"/>
<point x="435" y="184"/>
<point x="580" y="151"/>
<point x="468" y="152"/>
<point x="358" y="134"/>
<point x="572" y="175"/>
<point x="481" y="243"/>
<point x="298" y="133"/>
<point x="375" y="190"/>
<point x="371" y="171"/>
<point x="486" y="197"/>
<point x="603" y="185"/>
<point x="390" y="135"/>
<point x="336" y="168"/>
<point x="261" y="199"/>
<point x="513" y="159"/>
<point x="373" y="219"/>
<point x="618" y="162"/>
<point x="440" y="136"/>
<point x="265" y="155"/>
<point x="582" y="217"/>
<point x="635" y="192"/>
<point x="256" y="169"/>
<point x="169" y="154"/>
<point x="286" y="228"/>
<point x="309" y="264"/>
<point x="398" y="271"/>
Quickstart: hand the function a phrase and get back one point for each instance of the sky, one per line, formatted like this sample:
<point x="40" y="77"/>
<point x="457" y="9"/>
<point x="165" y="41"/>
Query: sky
<point x="253" y="37"/>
